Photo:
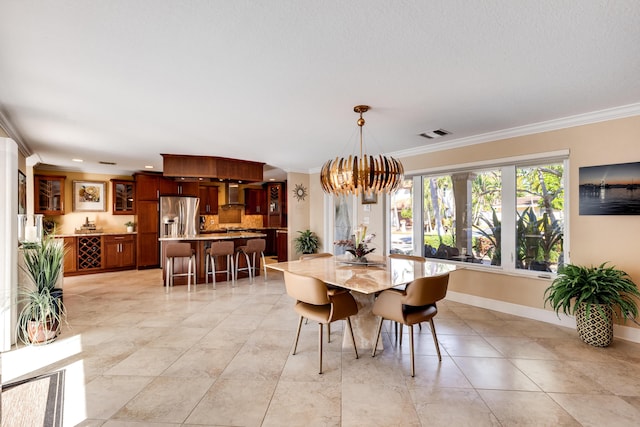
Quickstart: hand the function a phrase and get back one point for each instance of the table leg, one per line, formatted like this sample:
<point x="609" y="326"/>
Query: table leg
<point x="364" y="324"/>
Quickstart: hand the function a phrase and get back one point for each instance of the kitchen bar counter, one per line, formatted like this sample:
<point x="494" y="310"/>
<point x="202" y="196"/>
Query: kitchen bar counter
<point x="200" y="243"/>
<point x="101" y="233"/>
<point x="214" y="236"/>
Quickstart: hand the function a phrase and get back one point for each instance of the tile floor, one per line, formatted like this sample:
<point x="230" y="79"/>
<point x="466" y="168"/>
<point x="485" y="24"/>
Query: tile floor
<point x="136" y="356"/>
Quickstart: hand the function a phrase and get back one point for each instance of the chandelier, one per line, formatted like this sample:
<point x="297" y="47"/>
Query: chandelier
<point x="366" y="174"/>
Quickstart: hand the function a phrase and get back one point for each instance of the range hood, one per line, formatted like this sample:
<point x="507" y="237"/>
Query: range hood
<point x="232" y="196"/>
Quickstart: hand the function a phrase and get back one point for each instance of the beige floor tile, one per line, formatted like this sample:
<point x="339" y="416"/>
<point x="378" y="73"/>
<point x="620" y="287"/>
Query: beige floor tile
<point x="616" y="377"/>
<point x="558" y="376"/>
<point x="256" y="365"/>
<point x="106" y="395"/>
<point x="493" y="373"/>
<point x="469" y="346"/>
<point x="225" y="339"/>
<point x="520" y="348"/>
<point x="199" y="362"/>
<point x="434" y="373"/>
<point x="166" y="399"/>
<point x="377" y="405"/>
<point x="525" y="408"/>
<point x="598" y="410"/>
<point x="449" y="407"/>
<point x="233" y="403"/>
<point x="304" y="404"/>
<point x="147" y="361"/>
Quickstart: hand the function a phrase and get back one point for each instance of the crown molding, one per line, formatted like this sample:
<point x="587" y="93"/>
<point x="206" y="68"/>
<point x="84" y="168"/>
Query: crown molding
<point x="13" y="134"/>
<point x="550" y="125"/>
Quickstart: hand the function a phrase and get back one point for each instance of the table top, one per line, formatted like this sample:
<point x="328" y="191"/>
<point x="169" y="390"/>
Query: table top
<point x="383" y="274"/>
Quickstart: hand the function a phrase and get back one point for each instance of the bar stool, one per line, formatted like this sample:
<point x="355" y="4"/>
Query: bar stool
<point x="252" y="247"/>
<point x="180" y="251"/>
<point x="219" y="249"/>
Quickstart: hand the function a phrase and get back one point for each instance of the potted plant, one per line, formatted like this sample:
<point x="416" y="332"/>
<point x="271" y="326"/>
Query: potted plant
<point x="129" y="225"/>
<point x="307" y="242"/>
<point x="41" y="307"/>
<point x="592" y="294"/>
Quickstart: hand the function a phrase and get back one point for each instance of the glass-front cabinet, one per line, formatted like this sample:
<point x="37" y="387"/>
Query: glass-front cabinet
<point x="124" y="193"/>
<point x="49" y="194"/>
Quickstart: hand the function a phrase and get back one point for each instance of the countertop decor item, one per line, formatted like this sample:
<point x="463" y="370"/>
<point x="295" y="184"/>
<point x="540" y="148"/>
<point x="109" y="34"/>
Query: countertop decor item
<point x="365" y="174"/>
<point x="591" y="294"/>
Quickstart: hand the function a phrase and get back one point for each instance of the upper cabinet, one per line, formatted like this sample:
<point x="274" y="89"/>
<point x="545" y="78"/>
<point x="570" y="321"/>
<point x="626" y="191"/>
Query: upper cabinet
<point x="124" y="193"/>
<point x="186" y="166"/>
<point x="49" y="194"/>
<point x="255" y="201"/>
<point x="208" y="200"/>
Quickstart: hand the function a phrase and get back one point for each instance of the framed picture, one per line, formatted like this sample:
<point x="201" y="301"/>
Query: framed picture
<point x="369" y="199"/>
<point x="22" y="193"/>
<point x="89" y="196"/>
<point x="610" y="189"/>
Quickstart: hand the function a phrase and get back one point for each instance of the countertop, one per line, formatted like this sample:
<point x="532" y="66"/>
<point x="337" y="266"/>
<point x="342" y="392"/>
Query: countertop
<point x="106" y="233"/>
<point x="215" y="236"/>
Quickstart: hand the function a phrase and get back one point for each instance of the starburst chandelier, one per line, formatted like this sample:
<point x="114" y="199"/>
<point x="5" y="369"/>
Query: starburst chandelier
<point x="364" y="174"/>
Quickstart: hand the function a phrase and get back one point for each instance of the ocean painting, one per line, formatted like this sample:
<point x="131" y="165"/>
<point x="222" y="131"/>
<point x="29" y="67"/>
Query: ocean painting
<point x="610" y="189"/>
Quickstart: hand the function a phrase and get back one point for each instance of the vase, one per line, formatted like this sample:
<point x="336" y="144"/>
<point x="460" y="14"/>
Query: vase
<point x="596" y="330"/>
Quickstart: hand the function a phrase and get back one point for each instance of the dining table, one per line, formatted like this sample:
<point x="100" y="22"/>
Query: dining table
<point x="364" y="279"/>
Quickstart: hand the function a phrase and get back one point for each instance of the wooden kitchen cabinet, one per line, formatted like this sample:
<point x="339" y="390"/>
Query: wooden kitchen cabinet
<point x="255" y="201"/>
<point x="283" y="245"/>
<point x="277" y="204"/>
<point x="147" y="186"/>
<point x="177" y="188"/>
<point x="124" y="193"/>
<point x="208" y="200"/>
<point x="49" y="194"/>
<point x="70" y="255"/>
<point x="119" y="251"/>
<point x="147" y="247"/>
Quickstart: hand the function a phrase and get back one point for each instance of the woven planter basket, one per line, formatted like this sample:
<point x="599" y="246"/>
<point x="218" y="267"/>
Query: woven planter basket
<point x="596" y="330"/>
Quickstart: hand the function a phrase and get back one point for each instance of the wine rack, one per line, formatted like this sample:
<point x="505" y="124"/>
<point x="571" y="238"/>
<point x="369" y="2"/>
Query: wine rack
<point x="89" y="252"/>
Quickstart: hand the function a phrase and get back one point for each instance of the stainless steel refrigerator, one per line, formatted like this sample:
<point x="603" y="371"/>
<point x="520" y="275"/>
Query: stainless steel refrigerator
<point x="179" y="216"/>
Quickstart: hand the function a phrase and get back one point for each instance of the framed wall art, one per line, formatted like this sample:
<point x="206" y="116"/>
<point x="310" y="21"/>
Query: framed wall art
<point x="369" y="199"/>
<point x="89" y="196"/>
<point x="610" y="189"/>
<point x="22" y="193"/>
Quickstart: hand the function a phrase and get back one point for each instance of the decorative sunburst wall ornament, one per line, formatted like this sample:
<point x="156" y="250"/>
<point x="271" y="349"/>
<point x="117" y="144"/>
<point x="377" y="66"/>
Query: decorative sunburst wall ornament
<point x="300" y="192"/>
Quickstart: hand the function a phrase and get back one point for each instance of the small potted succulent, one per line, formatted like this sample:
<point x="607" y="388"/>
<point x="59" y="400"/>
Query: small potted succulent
<point x="129" y="225"/>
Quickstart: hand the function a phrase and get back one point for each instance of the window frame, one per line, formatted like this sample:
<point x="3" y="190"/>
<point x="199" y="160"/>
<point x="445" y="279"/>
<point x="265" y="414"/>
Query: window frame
<point x="508" y="168"/>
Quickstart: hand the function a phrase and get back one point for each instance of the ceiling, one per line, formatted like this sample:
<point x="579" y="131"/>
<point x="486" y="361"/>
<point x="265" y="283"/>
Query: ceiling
<point x="124" y="80"/>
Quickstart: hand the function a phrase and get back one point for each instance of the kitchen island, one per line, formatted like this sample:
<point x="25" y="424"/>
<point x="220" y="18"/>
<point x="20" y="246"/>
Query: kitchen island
<point x="200" y="243"/>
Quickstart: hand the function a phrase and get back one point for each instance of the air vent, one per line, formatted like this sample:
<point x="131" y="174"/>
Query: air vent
<point x="107" y="163"/>
<point x="438" y="133"/>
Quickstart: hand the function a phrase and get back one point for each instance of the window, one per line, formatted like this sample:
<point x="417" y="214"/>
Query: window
<point x="479" y="215"/>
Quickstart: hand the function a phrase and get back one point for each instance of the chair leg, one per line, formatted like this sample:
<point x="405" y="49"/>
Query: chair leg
<point x="375" y="345"/>
<point x="295" y="344"/>
<point x="189" y="276"/>
<point x="353" y="338"/>
<point x="167" y="277"/>
<point x="206" y="269"/>
<point x="413" y="365"/>
<point x="213" y="268"/>
<point x="264" y="266"/>
<point x="435" y="338"/>
<point x="328" y="332"/>
<point x="320" y="346"/>
<point x="400" y="326"/>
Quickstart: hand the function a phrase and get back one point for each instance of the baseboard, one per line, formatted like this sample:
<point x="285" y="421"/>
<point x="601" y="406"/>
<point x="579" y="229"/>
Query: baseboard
<point x="619" y="331"/>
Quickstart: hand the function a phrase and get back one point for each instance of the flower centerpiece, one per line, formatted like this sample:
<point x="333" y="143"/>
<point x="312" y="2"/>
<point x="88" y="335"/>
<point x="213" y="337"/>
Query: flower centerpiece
<point x="358" y="244"/>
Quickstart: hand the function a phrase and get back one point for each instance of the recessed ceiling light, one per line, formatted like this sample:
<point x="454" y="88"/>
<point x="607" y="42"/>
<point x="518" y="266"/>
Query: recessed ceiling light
<point x="77" y="160"/>
<point x="272" y="179"/>
<point x="148" y="167"/>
